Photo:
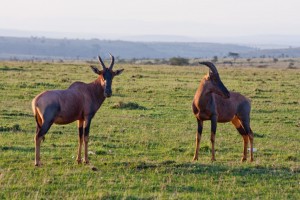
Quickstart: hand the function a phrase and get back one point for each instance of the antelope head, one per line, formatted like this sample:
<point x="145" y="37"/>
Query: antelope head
<point x="213" y="81"/>
<point x="107" y="74"/>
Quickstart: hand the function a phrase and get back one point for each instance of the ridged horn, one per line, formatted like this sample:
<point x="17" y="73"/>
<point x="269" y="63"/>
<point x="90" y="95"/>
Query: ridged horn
<point x="211" y="66"/>
<point x="101" y="62"/>
<point x="112" y="61"/>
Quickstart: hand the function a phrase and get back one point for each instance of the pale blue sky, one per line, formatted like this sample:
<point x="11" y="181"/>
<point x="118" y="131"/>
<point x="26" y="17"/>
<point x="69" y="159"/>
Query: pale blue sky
<point x="193" y="18"/>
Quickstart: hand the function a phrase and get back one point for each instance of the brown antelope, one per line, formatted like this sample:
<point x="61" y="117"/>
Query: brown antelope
<point x="79" y="102"/>
<point x="214" y="102"/>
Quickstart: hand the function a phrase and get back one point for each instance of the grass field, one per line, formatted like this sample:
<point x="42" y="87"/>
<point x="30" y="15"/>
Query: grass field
<point x="142" y="138"/>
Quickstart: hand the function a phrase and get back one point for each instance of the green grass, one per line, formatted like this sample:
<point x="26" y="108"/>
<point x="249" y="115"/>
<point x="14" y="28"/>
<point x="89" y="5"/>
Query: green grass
<point x="142" y="138"/>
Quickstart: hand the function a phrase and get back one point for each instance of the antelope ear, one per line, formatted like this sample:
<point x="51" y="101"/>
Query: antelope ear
<point x="118" y="72"/>
<point x="96" y="70"/>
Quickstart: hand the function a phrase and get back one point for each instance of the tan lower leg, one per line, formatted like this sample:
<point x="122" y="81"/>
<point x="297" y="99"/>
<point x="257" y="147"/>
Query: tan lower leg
<point x="37" y="150"/>
<point x="86" y="140"/>
<point x="198" y="139"/>
<point x="80" y="141"/>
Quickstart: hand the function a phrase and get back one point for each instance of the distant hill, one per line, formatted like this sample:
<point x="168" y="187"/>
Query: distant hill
<point x="45" y="48"/>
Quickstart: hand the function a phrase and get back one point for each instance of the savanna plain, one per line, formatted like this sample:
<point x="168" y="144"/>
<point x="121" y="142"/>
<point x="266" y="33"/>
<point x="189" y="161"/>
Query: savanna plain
<point x="142" y="139"/>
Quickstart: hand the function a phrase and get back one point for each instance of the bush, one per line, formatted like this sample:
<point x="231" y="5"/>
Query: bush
<point x="128" y="106"/>
<point x="178" y="61"/>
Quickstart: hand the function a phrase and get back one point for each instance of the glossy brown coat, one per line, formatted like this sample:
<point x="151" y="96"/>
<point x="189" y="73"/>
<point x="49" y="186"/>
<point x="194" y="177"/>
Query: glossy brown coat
<point x="212" y="101"/>
<point x="78" y="103"/>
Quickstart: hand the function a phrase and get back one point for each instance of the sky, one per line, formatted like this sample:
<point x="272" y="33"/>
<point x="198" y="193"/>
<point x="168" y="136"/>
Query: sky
<point x="119" y="18"/>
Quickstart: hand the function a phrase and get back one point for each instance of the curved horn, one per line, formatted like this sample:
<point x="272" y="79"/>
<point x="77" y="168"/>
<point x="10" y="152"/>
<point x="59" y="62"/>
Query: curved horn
<point x="211" y="66"/>
<point x="112" y="61"/>
<point x="101" y="62"/>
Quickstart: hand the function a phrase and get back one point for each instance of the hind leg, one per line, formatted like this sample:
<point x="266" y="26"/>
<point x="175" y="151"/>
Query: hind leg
<point x="80" y="140"/>
<point x="45" y="118"/>
<point x="246" y="125"/>
<point x="239" y="127"/>
<point x="245" y="122"/>
<point x="40" y="134"/>
<point x="251" y="138"/>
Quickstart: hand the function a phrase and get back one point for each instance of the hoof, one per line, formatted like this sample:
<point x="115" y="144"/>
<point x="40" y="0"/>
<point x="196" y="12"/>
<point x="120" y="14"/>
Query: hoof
<point x="79" y="162"/>
<point x="251" y="160"/>
<point x="213" y="159"/>
<point x="243" y="159"/>
<point x="38" y="164"/>
<point x="195" y="158"/>
<point x="86" y="162"/>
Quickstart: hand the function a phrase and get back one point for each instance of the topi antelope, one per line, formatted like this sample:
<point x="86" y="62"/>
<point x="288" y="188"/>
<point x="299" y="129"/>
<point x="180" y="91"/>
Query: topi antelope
<point x="214" y="102"/>
<point x="79" y="102"/>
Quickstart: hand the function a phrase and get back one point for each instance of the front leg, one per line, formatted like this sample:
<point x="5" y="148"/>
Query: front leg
<point x="198" y="138"/>
<point x="86" y="139"/>
<point x="80" y="140"/>
<point x="213" y="136"/>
